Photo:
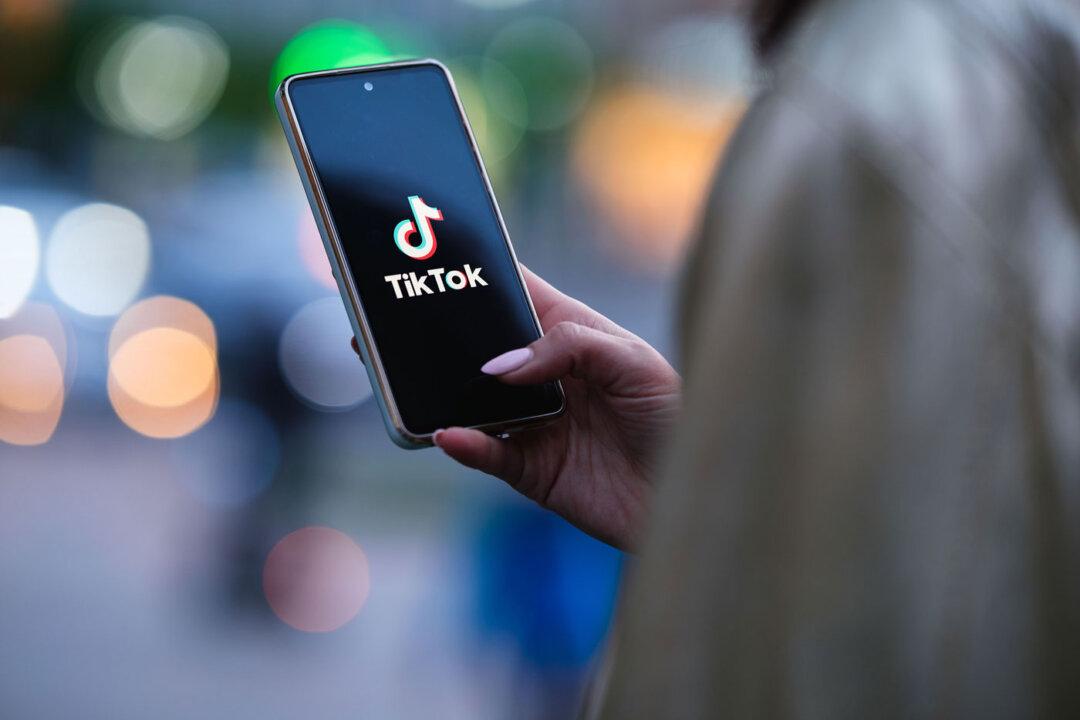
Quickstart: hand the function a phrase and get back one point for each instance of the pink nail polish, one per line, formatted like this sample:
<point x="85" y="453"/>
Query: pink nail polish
<point x="507" y="362"/>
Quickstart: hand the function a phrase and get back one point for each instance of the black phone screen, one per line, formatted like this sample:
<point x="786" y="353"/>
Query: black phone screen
<point x="422" y="242"/>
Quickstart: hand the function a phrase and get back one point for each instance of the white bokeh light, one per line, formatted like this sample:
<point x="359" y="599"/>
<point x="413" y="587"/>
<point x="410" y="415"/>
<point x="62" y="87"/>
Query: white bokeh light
<point x="495" y="104"/>
<point x="98" y="258"/>
<point x="20" y="251"/>
<point x="556" y="60"/>
<point x="316" y="358"/>
<point x="163" y="77"/>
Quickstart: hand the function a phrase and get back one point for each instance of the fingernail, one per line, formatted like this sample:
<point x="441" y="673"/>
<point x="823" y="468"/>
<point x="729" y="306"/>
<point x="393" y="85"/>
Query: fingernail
<point x="507" y="362"/>
<point x="435" y="435"/>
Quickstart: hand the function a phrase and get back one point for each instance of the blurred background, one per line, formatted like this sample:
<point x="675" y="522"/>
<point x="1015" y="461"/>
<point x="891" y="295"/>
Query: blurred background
<point x="200" y="512"/>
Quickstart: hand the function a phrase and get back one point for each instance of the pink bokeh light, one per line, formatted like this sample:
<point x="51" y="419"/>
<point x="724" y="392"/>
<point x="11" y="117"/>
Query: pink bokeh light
<point x="316" y="579"/>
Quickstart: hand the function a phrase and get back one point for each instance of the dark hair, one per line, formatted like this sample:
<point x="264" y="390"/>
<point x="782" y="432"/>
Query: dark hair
<point x="772" y="19"/>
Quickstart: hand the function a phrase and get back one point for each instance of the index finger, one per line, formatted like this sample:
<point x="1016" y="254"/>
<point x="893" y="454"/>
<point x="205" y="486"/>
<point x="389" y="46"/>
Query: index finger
<point x="554" y="306"/>
<point x="544" y="295"/>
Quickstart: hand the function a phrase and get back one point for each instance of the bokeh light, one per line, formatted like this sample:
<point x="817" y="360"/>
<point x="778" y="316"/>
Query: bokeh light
<point x="98" y="258"/>
<point x="30" y="374"/>
<point x="232" y="459"/>
<point x="316" y="579"/>
<point x="313" y="253"/>
<point x="495" y="104"/>
<point x="198" y="432"/>
<point x="552" y="63"/>
<point x="317" y="360"/>
<point x="33" y="366"/>
<point x="495" y="4"/>
<point x="164" y="367"/>
<point x="30" y="14"/>
<point x="645" y="159"/>
<point x="20" y="252"/>
<point x="328" y="45"/>
<point x="163" y="374"/>
<point x="161" y="78"/>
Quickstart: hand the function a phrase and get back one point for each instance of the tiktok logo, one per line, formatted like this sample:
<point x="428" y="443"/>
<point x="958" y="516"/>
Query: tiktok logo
<point x="424" y="214"/>
<point x="413" y="285"/>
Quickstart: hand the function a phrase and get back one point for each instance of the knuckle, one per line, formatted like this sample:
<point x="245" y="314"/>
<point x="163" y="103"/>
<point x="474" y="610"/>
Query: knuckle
<point x="643" y="351"/>
<point x="566" y="331"/>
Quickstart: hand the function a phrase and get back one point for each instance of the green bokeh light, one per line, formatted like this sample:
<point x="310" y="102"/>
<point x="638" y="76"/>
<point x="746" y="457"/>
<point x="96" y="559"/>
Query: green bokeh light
<point x="553" y="65"/>
<point x="330" y="44"/>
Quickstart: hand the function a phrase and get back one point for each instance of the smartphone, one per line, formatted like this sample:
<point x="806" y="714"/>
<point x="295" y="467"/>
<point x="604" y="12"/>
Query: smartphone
<point x="417" y="244"/>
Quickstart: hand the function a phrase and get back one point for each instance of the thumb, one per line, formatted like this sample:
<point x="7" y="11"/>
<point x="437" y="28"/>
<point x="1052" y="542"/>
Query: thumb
<point x="573" y="350"/>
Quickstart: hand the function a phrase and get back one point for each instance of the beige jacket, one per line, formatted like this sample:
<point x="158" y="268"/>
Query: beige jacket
<point x="871" y="508"/>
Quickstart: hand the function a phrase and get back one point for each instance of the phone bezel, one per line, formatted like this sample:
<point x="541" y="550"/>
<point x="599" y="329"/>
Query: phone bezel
<point x="395" y="425"/>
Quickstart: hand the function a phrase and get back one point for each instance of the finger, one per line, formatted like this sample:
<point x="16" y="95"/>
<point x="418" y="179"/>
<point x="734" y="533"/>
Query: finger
<point x="472" y="448"/>
<point x="544" y="295"/>
<point x="356" y="349"/>
<point x="571" y="350"/>
<point x="553" y="307"/>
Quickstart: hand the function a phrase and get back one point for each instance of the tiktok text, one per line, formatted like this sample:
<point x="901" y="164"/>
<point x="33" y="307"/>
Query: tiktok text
<point x="436" y="280"/>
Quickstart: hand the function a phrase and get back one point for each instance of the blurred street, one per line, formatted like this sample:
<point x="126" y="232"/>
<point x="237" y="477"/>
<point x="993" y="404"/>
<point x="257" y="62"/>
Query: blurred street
<point x="200" y="512"/>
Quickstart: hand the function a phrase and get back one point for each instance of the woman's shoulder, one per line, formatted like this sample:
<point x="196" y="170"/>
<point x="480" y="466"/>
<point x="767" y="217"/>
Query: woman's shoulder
<point x="920" y="88"/>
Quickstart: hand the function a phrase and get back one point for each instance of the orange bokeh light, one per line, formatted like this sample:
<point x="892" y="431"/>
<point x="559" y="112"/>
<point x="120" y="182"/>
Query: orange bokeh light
<point x="30" y="14"/>
<point x="164" y="367"/>
<point x="33" y="367"/>
<point x="30" y="374"/>
<point x="163" y="373"/>
<point x="645" y="159"/>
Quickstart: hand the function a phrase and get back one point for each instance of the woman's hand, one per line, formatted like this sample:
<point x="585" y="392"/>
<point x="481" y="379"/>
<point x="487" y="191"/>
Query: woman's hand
<point x="595" y="465"/>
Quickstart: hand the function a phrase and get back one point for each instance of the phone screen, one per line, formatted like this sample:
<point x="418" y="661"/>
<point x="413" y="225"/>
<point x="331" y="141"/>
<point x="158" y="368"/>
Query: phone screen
<point x="422" y="241"/>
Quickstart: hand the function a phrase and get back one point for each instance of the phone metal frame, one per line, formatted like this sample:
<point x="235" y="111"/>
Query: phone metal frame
<point x="395" y="426"/>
